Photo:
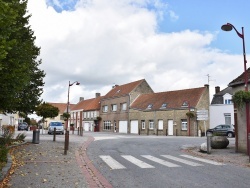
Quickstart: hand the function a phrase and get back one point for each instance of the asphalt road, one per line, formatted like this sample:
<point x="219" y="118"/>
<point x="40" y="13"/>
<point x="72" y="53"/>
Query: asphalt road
<point x="130" y="161"/>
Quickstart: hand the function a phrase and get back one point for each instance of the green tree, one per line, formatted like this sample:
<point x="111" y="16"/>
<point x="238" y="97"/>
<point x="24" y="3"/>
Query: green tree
<point x="46" y="110"/>
<point x="21" y="80"/>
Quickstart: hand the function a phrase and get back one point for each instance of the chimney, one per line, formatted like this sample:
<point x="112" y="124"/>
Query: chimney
<point x="207" y="86"/>
<point x="97" y="95"/>
<point x="217" y="89"/>
<point x="81" y="99"/>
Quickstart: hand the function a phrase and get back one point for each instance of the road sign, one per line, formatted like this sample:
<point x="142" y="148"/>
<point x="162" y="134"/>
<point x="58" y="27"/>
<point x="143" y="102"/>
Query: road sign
<point x="202" y="114"/>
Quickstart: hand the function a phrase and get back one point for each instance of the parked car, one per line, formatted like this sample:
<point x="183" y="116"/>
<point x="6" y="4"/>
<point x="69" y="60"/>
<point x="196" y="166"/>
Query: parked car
<point x="59" y="128"/>
<point x="23" y="126"/>
<point x="223" y="130"/>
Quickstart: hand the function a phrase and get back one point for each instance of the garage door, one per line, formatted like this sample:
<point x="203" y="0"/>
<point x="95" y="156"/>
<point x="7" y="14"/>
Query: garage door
<point x="123" y="127"/>
<point x="134" y="127"/>
<point x="86" y="127"/>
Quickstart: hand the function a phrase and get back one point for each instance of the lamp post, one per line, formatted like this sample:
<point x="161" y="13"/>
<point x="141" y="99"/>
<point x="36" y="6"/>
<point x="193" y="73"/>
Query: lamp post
<point x="229" y="27"/>
<point x="70" y="84"/>
<point x="66" y="142"/>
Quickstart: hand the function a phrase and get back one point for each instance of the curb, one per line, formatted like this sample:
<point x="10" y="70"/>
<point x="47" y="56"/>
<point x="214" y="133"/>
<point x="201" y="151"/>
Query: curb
<point x="93" y="177"/>
<point x="5" y="170"/>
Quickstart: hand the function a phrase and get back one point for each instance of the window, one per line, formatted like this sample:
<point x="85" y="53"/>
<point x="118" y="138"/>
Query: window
<point x="185" y="104"/>
<point x="106" y="125"/>
<point x="228" y="101"/>
<point x="124" y="106"/>
<point x="105" y="108"/>
<point x="150" y="106"/>
<point x="227" y="118"/>
<point x="164" y="105"/>
<point x="61" y="117"/>
<point x="114" y="107"/>
<point x="184" y="124"/>
<point x="143" y="124"/>
<point x="151" y="124"/>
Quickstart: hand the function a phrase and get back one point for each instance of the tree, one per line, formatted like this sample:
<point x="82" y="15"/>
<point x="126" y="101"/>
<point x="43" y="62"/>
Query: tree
<point x="46" y="110"/>
<point x="21" y="80"/>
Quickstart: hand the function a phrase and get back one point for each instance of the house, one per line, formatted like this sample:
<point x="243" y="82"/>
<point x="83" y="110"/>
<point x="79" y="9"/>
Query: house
<point x="165" y="113"/>
<point x="86" y="114"/>
<point x="221" y="108"/>
<point x="242" y="130"/>
<point x="9" y="119"/>
<point x="62" y="109"/>
<point x="115" y="105"/>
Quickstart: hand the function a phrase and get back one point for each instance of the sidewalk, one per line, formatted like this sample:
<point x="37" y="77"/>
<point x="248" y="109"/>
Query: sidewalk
<point x="45" y="165"/>
<point x="228" y="155"/>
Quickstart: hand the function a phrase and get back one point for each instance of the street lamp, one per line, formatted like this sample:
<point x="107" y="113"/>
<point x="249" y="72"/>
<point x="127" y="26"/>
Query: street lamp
<point x="229" y="27"/>
<point x="70" y="84"/>
<point x="66" y="142"/>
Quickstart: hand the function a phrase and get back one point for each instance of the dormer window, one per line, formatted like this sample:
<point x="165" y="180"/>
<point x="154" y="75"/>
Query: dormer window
<point x="164" y="105"/>
<point x="185" y="104"/>
<point x="150" y="106"/>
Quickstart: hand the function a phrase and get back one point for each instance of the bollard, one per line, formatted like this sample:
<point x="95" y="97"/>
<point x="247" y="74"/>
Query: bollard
<point x="209" y="136"/>
<point x="66" y="143"/>
<point x="148" y="131"/>
<point x="78" y="130"/>
<point x="249" y="145"/>
<point x="81" y="131"/>
<point x="54" y="135"/>
<point x="166" y="132"/>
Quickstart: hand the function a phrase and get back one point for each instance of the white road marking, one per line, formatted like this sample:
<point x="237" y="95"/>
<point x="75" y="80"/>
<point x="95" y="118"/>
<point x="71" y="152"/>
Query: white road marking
<point x="160" y="161"/>
<point x="104" y="138"/>
<point x="182" y="160"/>
<point x="112" y="162"/>
<point x="137" y="162"/>
<point x="202" y="160"/>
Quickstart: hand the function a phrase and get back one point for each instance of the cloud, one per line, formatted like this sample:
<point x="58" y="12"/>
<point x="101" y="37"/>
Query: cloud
<point x="106" y="42"/>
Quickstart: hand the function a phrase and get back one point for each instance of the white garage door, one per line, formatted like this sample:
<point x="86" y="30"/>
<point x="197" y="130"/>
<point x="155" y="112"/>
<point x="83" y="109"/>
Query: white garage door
<point x="123" y="127"/>
<point x="86" y="127"/>
<point x="134" y="127"/>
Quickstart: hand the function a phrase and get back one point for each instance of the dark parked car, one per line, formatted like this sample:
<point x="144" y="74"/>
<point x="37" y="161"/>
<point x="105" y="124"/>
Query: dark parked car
<point x="23" y="126"/>
<point x="223" y="130"/>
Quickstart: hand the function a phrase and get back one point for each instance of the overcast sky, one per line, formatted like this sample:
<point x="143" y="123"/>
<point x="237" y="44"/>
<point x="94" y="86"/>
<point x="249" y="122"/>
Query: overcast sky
<point x="173" y="44"/>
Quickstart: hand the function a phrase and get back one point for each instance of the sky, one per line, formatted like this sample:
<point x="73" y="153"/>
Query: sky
<point x="173" y="44"/>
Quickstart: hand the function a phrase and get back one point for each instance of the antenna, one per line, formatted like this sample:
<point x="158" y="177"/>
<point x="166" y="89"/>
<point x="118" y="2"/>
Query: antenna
<point x="208" y="79"/>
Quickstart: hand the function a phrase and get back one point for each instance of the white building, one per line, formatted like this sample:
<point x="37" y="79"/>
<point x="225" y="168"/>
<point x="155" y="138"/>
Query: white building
<point x="221" y="108"/>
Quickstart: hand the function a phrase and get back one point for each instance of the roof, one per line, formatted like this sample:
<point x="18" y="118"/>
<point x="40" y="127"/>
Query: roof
<point x="240" y="80"/>
<point x="61" y="106"/>
<point x="172" y="99"/>
<point x="122" y="90"/>
<point x="88" y="104"/>
<point x="218" y="97"/>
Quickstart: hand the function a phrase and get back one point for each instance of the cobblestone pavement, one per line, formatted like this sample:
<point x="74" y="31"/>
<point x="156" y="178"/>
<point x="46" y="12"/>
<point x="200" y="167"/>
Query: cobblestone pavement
<point x="45" y="165"/>
<point x="227" y="155"/>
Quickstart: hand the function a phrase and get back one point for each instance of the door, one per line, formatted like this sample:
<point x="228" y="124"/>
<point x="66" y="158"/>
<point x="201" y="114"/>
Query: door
<point x="86" y="126"/>
<point x="134" y="127"/>
<point x="160" y="124"/>
<point x="123" y="127"/>
<point x="170" y="127"/>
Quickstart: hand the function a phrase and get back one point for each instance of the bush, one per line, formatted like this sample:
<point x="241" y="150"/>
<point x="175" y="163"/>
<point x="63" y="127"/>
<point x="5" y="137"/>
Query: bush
<point x="20" y="137"/>
<point x="8" y="134"/>
<point x="3" y="153"/>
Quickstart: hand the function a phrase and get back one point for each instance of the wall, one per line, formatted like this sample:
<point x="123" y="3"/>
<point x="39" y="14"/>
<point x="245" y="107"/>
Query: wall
<point x="217" y="112"/>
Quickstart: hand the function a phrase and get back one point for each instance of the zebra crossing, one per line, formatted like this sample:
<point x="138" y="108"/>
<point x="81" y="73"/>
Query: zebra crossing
<point x="168" y="161"/>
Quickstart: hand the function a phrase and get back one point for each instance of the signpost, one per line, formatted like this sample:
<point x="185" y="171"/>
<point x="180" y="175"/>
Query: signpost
<point x="202" y="115"/>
